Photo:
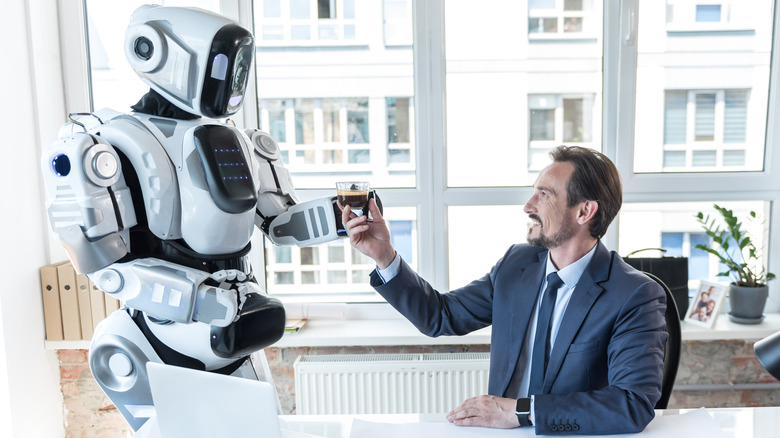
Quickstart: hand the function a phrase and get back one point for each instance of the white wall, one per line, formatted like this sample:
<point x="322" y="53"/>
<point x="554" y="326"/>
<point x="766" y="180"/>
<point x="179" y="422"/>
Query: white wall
<point x="30" y="398"/>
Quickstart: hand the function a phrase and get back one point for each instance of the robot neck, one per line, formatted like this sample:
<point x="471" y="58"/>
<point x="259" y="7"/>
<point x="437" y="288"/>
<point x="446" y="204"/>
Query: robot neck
<point x="154" y="104"/>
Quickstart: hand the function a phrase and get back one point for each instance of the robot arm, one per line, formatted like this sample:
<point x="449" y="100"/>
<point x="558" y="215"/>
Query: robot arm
<point x="89" y="204"/>
<point x="92" y="212"/>
<point x="279" y="214"/>
<point x="178" y="294"/>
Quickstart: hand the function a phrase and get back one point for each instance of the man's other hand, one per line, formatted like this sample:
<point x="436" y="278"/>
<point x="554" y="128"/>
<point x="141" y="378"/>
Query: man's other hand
<point x="486" y="411"/>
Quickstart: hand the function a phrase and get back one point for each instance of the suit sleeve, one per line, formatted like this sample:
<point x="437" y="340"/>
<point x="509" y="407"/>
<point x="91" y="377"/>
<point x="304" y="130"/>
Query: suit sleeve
<point x="635" y="366"/>
<point x="457" y="312"/>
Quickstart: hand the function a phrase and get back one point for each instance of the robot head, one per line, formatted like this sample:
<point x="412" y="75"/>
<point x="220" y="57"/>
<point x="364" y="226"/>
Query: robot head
<point x="196" y="59"/>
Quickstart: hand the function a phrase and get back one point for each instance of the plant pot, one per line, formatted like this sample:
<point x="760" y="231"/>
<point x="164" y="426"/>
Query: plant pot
<point x="747" y="303"/>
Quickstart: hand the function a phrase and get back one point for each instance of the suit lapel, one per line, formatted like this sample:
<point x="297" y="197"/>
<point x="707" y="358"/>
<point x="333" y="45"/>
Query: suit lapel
<point x="522" y="305"/>
<point x="585" y="294"/>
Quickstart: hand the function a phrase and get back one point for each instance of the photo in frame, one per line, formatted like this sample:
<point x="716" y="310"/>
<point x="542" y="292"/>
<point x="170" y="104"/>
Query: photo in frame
<point x="706" y="304"/>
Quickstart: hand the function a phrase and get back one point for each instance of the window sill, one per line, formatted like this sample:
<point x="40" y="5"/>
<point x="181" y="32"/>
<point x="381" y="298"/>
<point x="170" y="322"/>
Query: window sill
<point x="708" y="28"/>
<point x="321" y="333"/>
<point x="383" y="332"/>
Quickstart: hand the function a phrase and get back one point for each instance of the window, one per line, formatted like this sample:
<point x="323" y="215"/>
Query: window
<point x="328" y="131"/>
<point x="712" y="15"/>
<point x="717" y="125"/>
<point x="677" y="92"/>
<point x="708" y="13"/>
<point x="305" y="22"/>
<point x="673" y="227"/>
<point x="560" y="17"/>
<point x="501" y="90"/>
<point x="335" y="268"/>
<point x="693" y="124"/>
<point x="400" y="130"/>
<point x="554" y="120"/>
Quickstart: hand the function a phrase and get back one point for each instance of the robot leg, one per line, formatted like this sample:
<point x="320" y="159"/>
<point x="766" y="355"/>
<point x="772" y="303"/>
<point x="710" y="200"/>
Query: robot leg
<point x="117" y="358"/>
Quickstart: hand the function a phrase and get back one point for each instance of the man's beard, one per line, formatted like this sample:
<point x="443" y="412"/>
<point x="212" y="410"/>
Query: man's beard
<point x="554" y="241"/>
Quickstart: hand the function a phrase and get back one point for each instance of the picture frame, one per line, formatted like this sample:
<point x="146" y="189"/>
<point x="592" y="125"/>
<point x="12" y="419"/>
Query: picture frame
<point x="706" y="304"/>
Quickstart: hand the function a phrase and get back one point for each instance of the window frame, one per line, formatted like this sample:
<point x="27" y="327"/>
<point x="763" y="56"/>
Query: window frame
<point x="431" y="197"/>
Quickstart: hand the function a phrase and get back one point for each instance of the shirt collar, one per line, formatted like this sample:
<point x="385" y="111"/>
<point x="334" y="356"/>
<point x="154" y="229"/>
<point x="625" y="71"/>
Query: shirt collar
<point x="571" y="274"/>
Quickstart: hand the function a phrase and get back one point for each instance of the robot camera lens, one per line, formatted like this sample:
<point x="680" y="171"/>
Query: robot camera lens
<point x="61" y="165"/>
<point x="144" y="48"/>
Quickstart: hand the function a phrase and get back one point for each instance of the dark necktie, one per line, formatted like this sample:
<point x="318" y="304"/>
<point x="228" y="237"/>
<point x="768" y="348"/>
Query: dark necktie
<point x="541" y="353"/>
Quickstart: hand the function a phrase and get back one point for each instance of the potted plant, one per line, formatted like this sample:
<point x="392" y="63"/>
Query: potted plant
<point x="735" y="249"/>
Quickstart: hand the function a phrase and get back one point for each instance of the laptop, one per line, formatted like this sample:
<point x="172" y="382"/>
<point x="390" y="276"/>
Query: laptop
<point x="191" y="403"/>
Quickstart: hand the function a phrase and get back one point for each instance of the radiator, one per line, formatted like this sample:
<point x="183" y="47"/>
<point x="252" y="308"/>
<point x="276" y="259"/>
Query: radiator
<point x="388" y="383"/>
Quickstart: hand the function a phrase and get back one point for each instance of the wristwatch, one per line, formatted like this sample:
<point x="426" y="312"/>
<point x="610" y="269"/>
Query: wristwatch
<point x="523" y="412"/>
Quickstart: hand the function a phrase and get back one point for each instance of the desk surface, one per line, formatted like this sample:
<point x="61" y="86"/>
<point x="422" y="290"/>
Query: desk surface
<point x="735" y="422"/>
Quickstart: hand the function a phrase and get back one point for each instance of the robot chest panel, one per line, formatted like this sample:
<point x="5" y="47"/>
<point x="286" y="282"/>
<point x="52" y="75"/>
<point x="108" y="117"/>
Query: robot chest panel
<point x="217" y="190"/>
<point x="225" y="168"/>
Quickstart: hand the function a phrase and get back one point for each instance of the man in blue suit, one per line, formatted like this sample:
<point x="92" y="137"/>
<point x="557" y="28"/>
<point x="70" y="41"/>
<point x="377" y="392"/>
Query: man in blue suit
<point x="587" y="360"/>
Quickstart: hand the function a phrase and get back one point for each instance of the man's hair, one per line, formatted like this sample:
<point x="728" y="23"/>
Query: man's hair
<point x="595" y="178"/>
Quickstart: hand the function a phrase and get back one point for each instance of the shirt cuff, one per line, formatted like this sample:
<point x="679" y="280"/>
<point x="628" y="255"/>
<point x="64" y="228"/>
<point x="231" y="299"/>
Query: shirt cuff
<point x="531" y="415"/>
<point x="391" y="270"/>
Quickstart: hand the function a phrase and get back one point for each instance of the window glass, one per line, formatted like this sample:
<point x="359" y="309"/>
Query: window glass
<point x="468" y="235"/>
<point x="675" y="113"/>
<point x="507" y="105"/>
<point x="327" y="106"/>
<point x="735" y="116"/>
<point x="357" y="121"/>
<point x="702" y="85"/>
<point x="306" y="22"/>
<point x="707" y="13"/>
<point x="673" y="227"/>
<point x="398" y="120"/>
<point x="336" y="267"/>
<point x="705" y="117"/>
<point x="272" y="8"/>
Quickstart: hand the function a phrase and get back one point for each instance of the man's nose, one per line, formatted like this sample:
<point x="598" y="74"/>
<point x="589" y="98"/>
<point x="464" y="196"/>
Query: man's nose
<point x="529" y="206"/>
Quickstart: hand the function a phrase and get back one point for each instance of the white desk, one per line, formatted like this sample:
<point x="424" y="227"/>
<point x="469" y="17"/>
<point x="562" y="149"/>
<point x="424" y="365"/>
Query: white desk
<point x="735" y="422"/>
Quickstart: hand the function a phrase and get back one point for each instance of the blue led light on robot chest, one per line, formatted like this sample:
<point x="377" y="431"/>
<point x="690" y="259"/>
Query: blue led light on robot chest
<point x="61" y="165"/>
<point x="232" y="164"/>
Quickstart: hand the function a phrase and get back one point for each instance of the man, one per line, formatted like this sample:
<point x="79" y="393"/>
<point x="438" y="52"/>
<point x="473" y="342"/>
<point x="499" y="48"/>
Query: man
<point x="595" y="364"/>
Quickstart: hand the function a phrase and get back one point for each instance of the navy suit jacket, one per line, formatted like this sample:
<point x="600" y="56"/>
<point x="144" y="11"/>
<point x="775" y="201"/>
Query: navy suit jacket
<point x="605" y="369"/>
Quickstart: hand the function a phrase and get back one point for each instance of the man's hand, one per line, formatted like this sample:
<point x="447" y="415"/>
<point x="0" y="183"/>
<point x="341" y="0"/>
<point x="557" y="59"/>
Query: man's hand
<point x="486" y="411"/>
<point x="370" y="238"/>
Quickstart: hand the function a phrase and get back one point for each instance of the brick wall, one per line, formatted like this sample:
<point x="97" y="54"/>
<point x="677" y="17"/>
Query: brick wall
<point x="89" y="413"/>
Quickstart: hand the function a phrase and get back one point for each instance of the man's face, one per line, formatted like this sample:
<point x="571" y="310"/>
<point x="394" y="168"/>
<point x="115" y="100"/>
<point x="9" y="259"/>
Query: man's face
<point x="551" y="219"/>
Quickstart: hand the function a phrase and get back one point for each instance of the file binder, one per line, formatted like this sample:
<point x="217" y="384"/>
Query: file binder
<point x="69" y="302"/>
<point x="52" y="313"/>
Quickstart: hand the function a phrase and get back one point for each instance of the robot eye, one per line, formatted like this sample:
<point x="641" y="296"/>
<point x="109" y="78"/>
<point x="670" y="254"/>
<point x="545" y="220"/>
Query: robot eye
<point x="144" y="48"/>
<point x="61" y="165"/>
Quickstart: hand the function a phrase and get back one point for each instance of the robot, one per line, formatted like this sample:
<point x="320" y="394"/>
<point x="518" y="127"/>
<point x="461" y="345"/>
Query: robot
<point x="158" y="208"/>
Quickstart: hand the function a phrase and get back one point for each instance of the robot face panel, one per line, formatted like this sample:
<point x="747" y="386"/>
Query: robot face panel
<point x="228" y="72"/>
<point x="197" y="60"/>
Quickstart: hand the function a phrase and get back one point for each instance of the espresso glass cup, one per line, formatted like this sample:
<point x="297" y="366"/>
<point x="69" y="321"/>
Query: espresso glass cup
<point x="354" y="194"/>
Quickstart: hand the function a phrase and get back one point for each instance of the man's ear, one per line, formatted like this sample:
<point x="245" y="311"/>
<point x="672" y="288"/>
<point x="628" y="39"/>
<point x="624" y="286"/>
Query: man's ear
<point x="587" y="211"/>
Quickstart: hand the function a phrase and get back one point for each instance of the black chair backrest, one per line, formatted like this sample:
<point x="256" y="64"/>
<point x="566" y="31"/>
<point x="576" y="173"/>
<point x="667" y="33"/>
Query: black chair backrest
<point x="672" y="347"/>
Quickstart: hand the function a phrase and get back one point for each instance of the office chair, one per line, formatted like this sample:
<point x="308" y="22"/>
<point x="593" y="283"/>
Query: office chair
<point x="672" y="346"/>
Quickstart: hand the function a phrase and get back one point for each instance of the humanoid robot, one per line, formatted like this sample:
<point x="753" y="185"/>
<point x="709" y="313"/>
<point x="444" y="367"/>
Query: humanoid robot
<point x="158" y="207"/>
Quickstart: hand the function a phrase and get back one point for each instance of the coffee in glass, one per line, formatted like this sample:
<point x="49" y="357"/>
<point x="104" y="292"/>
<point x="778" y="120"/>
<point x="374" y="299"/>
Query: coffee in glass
<point x="354" y="194"/>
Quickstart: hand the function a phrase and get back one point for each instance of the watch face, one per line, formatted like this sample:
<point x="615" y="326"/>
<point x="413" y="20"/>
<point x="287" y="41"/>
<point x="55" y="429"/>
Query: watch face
<point x="523" y="405"/>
